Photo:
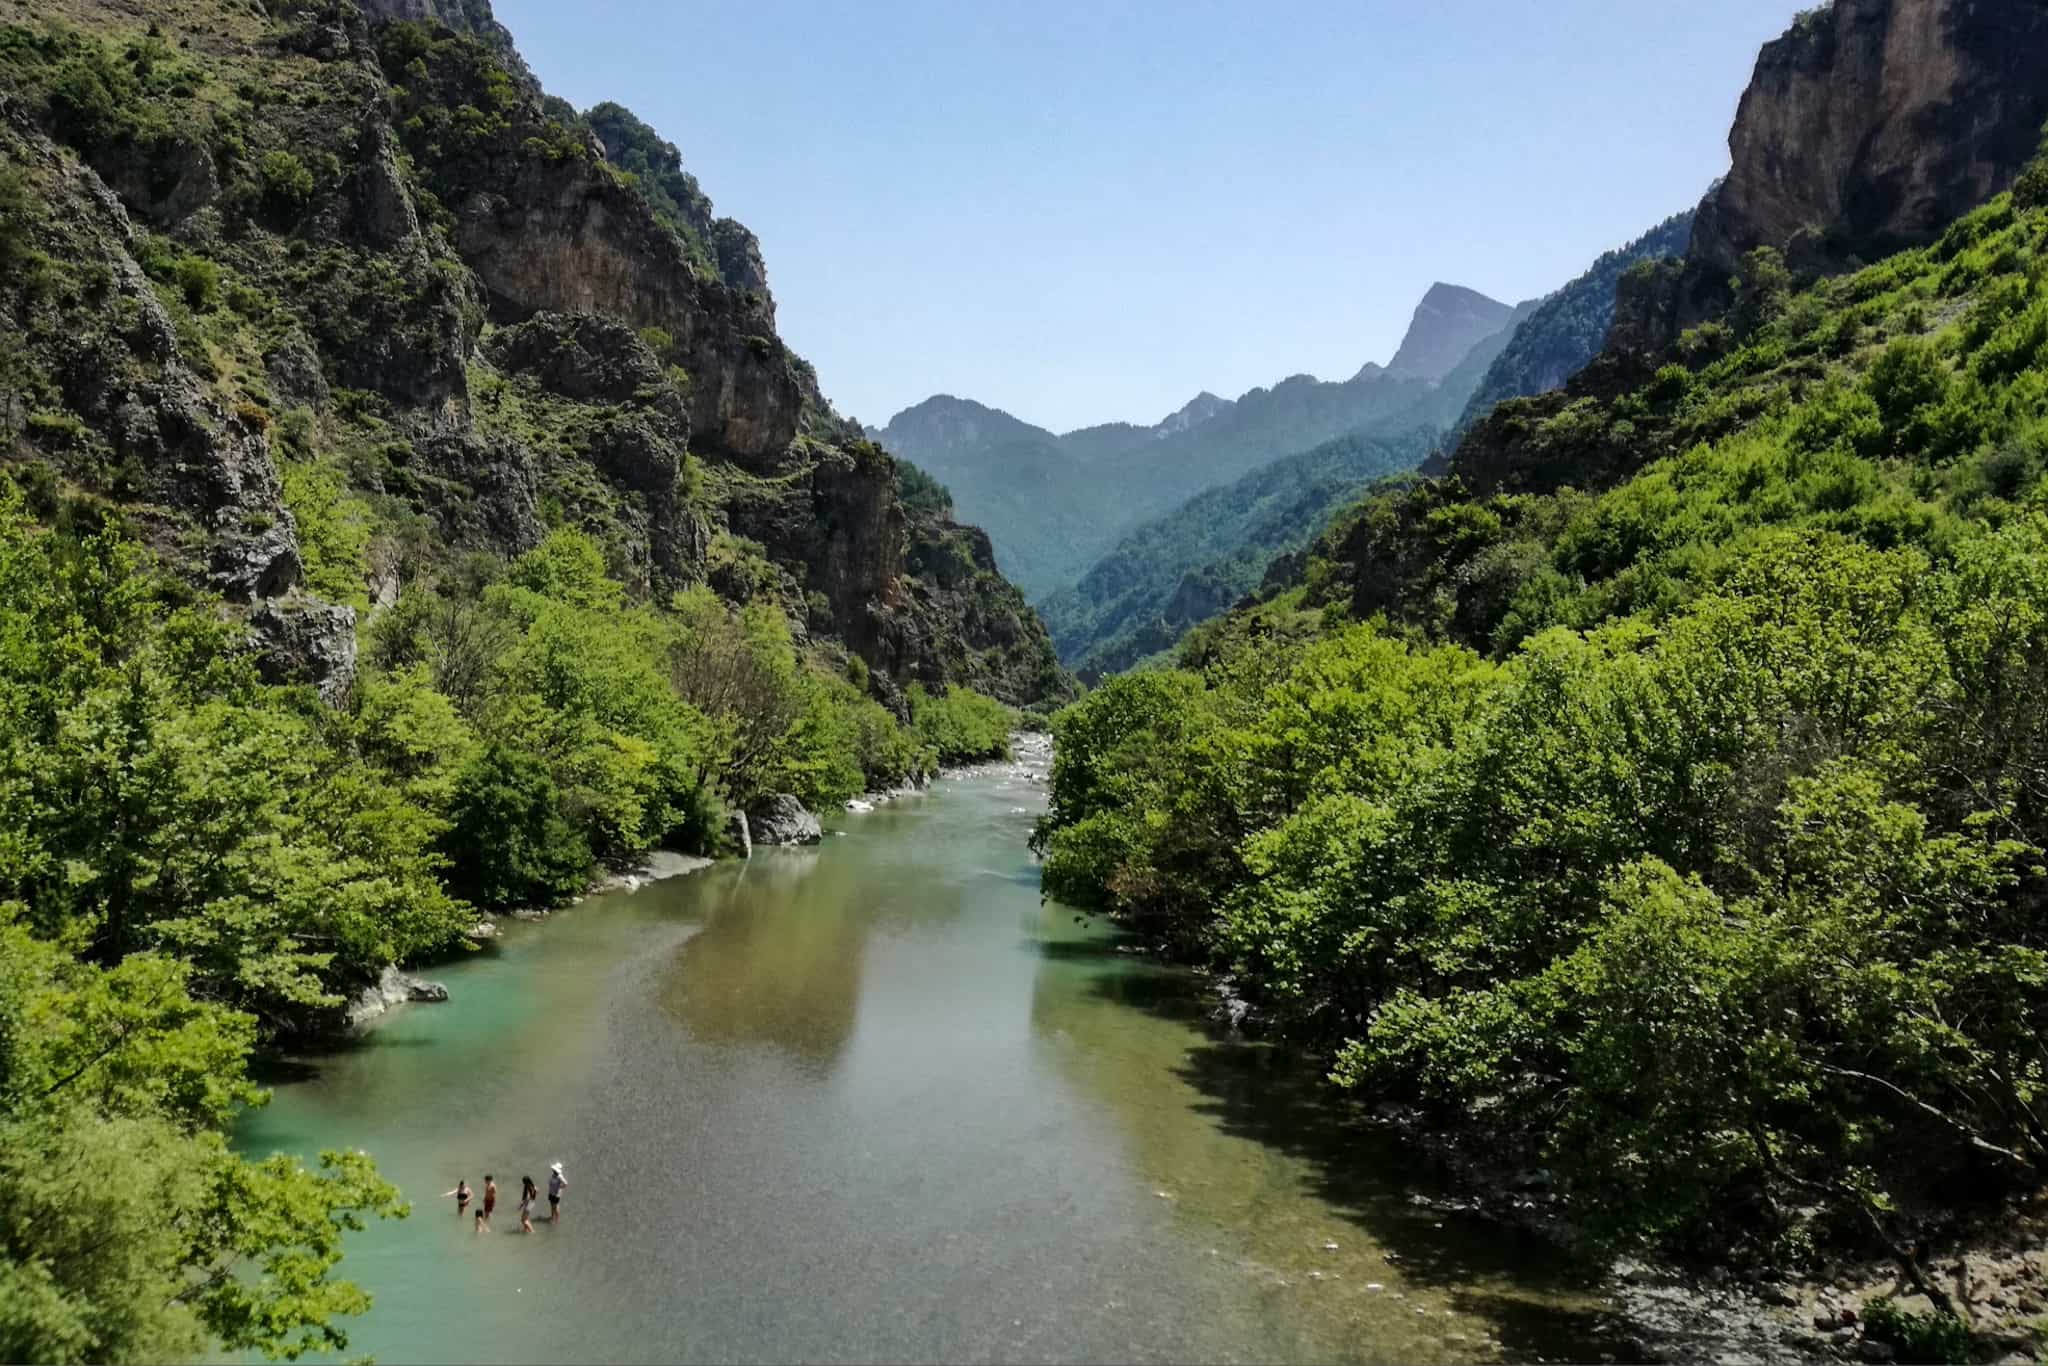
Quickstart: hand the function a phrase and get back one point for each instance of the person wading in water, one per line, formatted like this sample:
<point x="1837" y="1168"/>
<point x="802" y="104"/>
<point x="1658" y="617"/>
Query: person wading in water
<point x="461" y="1194"/>
<point x="556" y="1185"/>
<point x="528" y="1193"/>
<point x="490" y="1198"/>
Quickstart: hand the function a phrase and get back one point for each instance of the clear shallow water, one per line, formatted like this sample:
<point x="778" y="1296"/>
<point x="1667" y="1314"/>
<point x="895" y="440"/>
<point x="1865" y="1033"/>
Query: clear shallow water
<point x="874" y="1102"/>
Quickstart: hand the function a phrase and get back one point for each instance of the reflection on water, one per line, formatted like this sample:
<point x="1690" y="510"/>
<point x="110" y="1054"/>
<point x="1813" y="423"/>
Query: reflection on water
<point x="874" y="1101"/>
<point x="777" y="962"/>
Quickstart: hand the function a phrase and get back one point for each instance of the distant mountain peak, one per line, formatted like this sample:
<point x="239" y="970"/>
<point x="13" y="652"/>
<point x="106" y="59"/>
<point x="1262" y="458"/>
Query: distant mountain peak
<point x="1197" y="410"/>
<point x="1448" y="323"/>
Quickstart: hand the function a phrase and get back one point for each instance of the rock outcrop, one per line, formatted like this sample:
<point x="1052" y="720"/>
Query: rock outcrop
<point x="1873" y="124"/>
<point x="392" y="989"/>
<point x="1868" y="128"/>
<point x="782" y="820"/>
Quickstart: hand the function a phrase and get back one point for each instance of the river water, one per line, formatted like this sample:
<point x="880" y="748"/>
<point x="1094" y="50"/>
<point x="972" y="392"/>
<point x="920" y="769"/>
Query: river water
<point x="875" y="1102"/>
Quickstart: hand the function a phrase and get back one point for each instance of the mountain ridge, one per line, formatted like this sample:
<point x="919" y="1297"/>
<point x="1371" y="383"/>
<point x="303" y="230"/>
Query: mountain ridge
<point x="1098" y="483"/>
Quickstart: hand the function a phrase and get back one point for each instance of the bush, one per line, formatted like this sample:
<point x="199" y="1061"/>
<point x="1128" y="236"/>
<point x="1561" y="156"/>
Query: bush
<point x="1919" y="1339"/>
<point x="286" y="187"/>
<point x="961" y="725"/>
<point x="507" y="844"/>
<point x="93" y="101"/>
<point x="198" y="280"/>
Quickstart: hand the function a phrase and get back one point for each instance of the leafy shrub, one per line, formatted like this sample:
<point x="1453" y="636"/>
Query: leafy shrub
<point x="507" y="844"/>
<point x="1935" y="1339"/>
<point x="198" y="281"/>
<point x="961" y="725"/>
<point x="286" y="187"/>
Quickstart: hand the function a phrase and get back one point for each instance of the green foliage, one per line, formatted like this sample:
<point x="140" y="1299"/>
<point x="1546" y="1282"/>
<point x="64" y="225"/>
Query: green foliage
<point x="1684" y="836"/>
<point x="157" y="798"/>
<point x="920" y="494"/>
<point x="93" y="100"/>
<point x="657" y="167"/>
<point x="133" y="1233"/>
<point x="286" y="186"/>
<point x="961" y="725"/>
<point x="334" y="532"/>
<point x="507" y="840"/>
<point x="1936" y="1339"/>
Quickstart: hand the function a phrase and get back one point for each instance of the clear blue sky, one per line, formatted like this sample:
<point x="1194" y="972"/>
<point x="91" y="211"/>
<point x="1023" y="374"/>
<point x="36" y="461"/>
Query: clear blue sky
<point x="1088" y="210"/>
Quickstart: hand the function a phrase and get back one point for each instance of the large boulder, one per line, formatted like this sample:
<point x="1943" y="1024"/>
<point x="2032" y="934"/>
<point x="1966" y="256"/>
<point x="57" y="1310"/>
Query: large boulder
<point x="781" y="819"/>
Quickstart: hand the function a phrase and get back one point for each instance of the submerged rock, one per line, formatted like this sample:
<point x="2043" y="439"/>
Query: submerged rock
<point x="782" y="819"/>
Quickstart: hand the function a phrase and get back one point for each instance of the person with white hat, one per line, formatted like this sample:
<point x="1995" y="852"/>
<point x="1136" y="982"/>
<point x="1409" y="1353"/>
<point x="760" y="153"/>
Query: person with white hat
<point x="556" y="1185"/>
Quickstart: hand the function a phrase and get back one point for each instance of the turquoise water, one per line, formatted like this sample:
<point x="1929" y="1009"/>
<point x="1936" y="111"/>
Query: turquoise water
<point x="874" y="1102"/>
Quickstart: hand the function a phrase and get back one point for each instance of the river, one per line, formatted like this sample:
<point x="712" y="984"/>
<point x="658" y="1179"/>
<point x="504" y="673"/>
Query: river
<point x="873" y="1101"/>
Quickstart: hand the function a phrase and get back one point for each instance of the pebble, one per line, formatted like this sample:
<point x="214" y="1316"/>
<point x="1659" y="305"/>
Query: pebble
<point x="1329" y="1247"/>
<point x="1374" y="1285"/>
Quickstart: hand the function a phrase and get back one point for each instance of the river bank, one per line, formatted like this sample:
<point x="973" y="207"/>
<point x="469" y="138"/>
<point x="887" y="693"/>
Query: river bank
<point x="874" y="1100"/>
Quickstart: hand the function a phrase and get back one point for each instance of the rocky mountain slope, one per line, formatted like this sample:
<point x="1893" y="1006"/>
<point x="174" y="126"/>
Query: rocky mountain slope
<point x="1868" y="127"/>
<point x="1055" y="504"/>
<point x="1871" y="125"/>
<point x="327" y="296"/>
<point x="1567" y="329"/>
<point x="1448" y="323"/>
<point x="1188" y="564"/>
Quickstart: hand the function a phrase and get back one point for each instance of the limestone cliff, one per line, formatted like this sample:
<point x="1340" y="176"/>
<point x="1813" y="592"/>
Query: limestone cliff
<point x="1873" y="124"/>
<point x="1869" y="127"/>
<point x="355" y="250"/>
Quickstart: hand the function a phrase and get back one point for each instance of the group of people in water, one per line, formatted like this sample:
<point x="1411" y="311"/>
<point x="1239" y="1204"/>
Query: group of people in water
<point x="528" y="1193"/>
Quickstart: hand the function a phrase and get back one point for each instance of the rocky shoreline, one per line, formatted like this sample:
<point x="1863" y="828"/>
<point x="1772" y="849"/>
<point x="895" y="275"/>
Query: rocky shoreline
<point x="395" y="988"/>
<point x="1998" y="1277"/>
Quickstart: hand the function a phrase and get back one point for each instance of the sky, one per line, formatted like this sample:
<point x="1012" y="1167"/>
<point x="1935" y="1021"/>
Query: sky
<point x="1084" y="211"/>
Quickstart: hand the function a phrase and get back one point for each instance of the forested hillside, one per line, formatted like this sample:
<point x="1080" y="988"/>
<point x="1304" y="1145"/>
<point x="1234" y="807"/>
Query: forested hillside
<point x="1565" y="331"/>
<point x="1201" y="558"/>
<point x="1679" y="835"/>
<point x="407" y="511"/>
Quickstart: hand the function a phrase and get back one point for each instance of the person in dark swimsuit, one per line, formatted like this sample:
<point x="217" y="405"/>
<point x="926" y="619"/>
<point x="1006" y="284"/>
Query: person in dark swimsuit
<point x="490" y="1197"/>
<point x="461" y="1194"/>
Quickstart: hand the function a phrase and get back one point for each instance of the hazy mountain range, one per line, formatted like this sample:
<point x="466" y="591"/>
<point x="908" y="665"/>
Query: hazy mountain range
<point x="1054" y="504"/>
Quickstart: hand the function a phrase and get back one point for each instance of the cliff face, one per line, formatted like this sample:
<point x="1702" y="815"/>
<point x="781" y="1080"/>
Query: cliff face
<point x="1873" y="124"/>
<point x="1868" y="128"/>
<point x="361" y="241"/>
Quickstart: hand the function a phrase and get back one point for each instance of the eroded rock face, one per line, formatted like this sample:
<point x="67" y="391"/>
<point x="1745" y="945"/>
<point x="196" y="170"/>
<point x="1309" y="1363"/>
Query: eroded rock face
<point x="206" y="473"/>
<point x="638" y="432"/>
<point x="565" y="237"/>
<point x="584" y="357"/>
<point x="1877" y="123"/>
<point x="462" y="16"/>
<point x="303" y="640"/>
<point x="782" y="819"/>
